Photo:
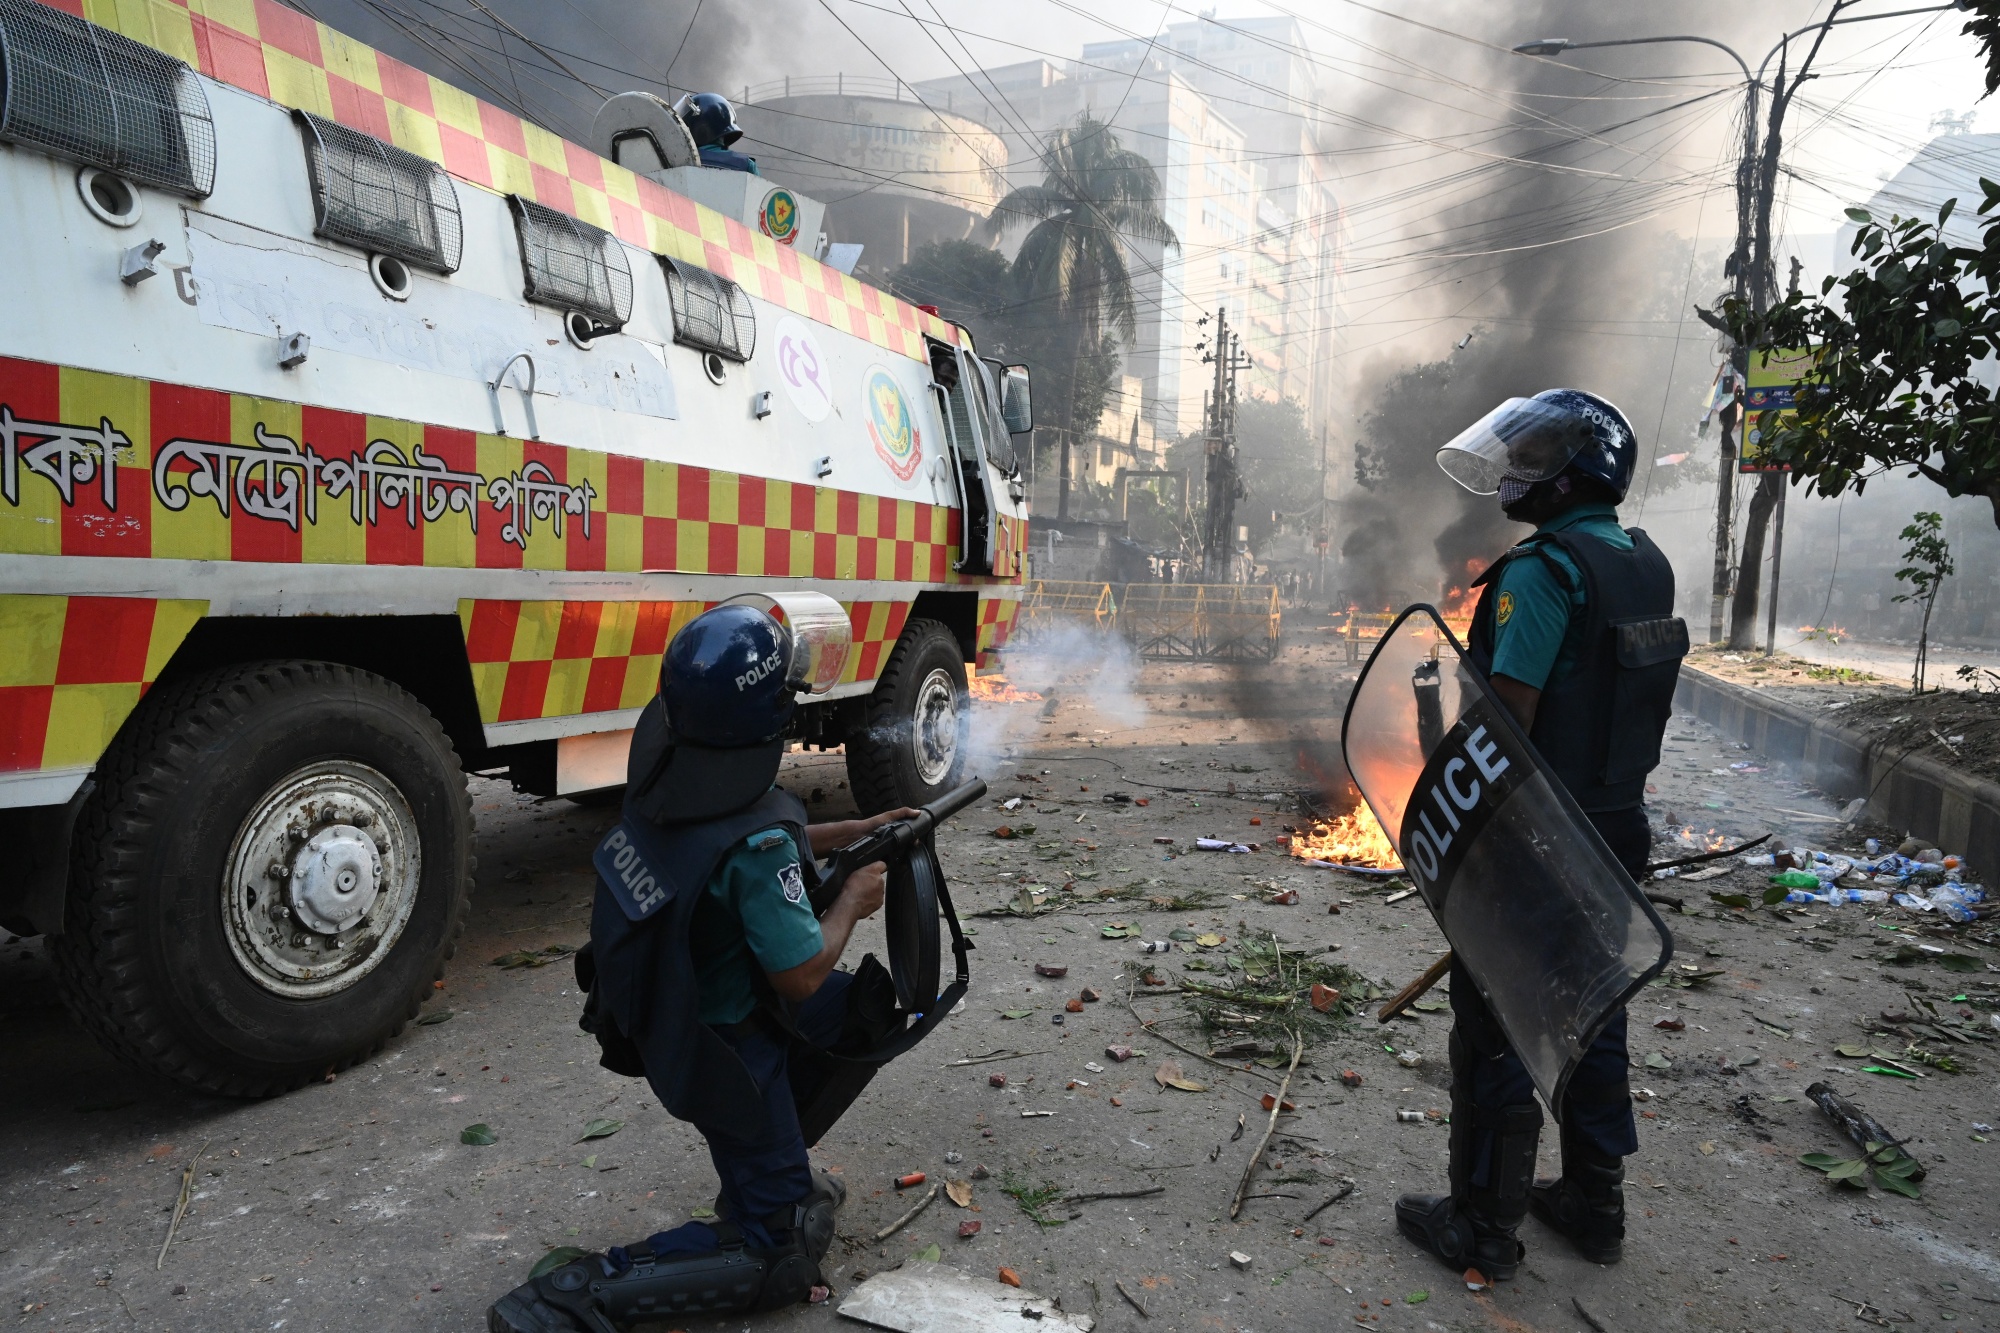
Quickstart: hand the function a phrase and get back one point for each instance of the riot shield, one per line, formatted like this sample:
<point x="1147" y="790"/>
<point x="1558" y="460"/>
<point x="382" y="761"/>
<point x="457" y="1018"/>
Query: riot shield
<point x="1553" y="930"/>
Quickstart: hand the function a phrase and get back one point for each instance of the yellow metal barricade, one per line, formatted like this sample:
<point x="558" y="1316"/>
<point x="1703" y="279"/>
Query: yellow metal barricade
<point x="1052" y="603"/>
<point x="1201" y="622"/>
<point x="1363" y="630"/>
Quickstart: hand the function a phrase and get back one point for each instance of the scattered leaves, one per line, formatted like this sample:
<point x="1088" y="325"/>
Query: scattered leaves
<point x="601" y="1129"/>
<point x="959" y="1192"/>
<point x="435" y="1017"/>
<point x="1169" y="1075"/>
<point x="480" y="1135"/>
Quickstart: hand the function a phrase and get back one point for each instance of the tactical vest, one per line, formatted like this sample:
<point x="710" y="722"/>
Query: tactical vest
<point x="1599" y="727"/>
<point x="650" y="879"/>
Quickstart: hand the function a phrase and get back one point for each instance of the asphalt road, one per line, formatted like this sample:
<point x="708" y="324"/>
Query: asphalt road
<point x="353" y="1204"/>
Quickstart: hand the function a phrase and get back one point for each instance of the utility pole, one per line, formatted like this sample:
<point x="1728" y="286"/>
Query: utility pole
<point x="1225" y="486"/>
<point x="1750" y="266"/>
<point x="1320" y="533"/>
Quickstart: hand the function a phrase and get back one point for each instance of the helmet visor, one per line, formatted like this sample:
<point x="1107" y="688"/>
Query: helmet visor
<point x="1523" y="439"/>
<point x="822" y="636"/>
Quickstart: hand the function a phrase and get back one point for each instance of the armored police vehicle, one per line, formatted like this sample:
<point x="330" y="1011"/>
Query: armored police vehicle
<point x="355" y="435"/>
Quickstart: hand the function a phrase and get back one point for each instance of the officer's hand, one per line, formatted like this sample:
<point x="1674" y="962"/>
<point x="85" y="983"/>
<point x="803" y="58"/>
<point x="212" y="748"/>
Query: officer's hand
<point x="873" y="822"/>
<point x="864" y="889"/>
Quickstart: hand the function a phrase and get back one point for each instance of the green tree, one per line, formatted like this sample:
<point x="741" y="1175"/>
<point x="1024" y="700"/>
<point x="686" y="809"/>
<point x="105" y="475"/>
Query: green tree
<point x="1095" y="197"/>
<point x="1930" y="565"/>
<point x="966" y="281"/>
<point x="977" y="287"/>
<point x="1898" y="342"/>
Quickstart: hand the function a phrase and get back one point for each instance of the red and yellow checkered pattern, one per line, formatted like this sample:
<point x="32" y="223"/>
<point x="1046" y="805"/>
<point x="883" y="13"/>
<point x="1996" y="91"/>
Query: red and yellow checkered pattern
<point x="644" y="515"/>
<point x="534" y="660"/>
<point x="72" y="669"/>
<point x="996" y="623"/>
<point x="280" y="54"/>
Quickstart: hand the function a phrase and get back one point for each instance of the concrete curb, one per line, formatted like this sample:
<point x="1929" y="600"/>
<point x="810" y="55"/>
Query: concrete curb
<point x="1905" y="788"/>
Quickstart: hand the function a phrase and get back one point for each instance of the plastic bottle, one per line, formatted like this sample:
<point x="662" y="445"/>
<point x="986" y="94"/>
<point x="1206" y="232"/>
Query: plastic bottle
<point x="1868" y="895"/>
<point x="1951" y="900"/>
<point x="1801" y="896"/>
<point x="1874" y="846"/>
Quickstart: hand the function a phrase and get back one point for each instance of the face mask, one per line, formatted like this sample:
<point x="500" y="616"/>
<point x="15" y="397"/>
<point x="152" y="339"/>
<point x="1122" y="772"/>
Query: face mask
<point x="1511" y="491"/>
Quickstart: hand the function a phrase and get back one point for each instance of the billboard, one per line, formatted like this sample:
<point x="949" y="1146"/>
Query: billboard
<point x="1769" y="398"/>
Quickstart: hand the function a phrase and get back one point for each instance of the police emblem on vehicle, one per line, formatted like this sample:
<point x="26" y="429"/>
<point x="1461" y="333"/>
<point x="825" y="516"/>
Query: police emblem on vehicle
<point x="891" y="429"/>
<point x="792" y="882"/>
<point x="778" y="216"/>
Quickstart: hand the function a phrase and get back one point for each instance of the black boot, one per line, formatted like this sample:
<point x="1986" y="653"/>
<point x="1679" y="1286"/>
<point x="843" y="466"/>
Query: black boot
<point x="604" y="1293"/>
<point x="1474" y="1225"/>
<point x="1587" y="1202"/>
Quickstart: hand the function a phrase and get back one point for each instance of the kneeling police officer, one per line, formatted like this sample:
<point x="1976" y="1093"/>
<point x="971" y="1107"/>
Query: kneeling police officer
<point x="1546" y="633"/>
<point x="709" y="973"/>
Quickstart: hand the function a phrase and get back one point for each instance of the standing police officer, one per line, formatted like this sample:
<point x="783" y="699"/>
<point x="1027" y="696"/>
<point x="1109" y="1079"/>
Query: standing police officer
<point x="709" y="973"/>
<point x="1545" y="635"/>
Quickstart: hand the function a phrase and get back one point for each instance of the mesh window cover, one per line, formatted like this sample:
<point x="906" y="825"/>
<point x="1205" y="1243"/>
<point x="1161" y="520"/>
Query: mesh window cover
<point x="90" y="95"/>
<point x="376" y="196"/>
<point x="710" y="312"/>
<point x="572" y="265"/>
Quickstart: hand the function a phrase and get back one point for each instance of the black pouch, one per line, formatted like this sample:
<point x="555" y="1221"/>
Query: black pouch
<point x="615" y="1051"/>
<point x="872" y="1014"/>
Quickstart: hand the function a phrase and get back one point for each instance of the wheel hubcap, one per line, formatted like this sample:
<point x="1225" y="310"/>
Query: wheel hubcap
<point x="321" y="880"/>
<point x="934" y="729"/>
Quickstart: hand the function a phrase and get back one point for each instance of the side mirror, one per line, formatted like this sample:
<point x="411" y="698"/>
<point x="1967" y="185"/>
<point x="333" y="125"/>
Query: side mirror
<point x="1017" y="407"/>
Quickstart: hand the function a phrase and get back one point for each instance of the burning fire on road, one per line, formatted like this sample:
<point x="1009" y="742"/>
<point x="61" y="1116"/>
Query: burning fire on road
<point x="996" y="689"/>
<point x="1354" y="839"/>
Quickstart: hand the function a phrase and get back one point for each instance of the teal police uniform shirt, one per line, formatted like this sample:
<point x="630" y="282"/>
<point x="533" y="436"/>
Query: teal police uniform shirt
<point x="753" y="913"/>
<point x="1535" y="612"/>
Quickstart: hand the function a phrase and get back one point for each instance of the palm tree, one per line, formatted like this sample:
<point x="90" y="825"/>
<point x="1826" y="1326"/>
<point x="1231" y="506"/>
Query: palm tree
<point x="1096" y="196"/>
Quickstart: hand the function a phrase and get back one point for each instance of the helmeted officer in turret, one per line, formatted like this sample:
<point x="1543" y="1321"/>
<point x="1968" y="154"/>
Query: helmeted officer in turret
<point x="712" y="121"/>
<point x="708" y="973"/>
<point x="1545" y="635"/>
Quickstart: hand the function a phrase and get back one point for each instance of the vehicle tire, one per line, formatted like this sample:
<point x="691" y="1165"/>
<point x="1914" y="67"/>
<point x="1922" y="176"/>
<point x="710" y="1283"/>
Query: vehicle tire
<point x="912" y="748"/>
<point x="274" y="866"/>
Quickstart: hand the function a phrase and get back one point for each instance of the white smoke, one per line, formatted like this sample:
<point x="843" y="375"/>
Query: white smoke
<point x="1064" y="663"/>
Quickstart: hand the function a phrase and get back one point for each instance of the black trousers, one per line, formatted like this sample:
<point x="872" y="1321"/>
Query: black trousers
<point x="1597" y="1105"/>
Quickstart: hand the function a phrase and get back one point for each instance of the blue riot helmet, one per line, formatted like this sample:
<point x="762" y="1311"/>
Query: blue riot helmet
<point x="711" y="740"/>
<point x="725" y="677"/>
<point x="1529" y="440"/>
<point x="710" y="119"/>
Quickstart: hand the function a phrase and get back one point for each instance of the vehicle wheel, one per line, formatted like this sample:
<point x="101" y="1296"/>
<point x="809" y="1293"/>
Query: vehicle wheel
<point x="912" y="749"/>
<point x="274" y="866"/>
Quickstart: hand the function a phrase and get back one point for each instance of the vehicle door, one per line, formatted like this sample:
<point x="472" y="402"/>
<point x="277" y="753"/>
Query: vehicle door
<point x="958" y="381"/>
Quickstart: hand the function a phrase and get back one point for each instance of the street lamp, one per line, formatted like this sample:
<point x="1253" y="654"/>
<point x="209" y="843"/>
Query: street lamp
<point x="1753" y="206"/>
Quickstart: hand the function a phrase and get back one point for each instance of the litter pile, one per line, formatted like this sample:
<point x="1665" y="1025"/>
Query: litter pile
<point x="1915" y="876"/>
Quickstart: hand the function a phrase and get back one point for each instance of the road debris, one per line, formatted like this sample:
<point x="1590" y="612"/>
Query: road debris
<point x="1130" y="1299"/>
<point x="1346" y="1188"/>
<point x="931" y="1297"/>
<point x="1277" y="1103"/>
<point x="930" y="1197"/>
<point x="181" y="1204"/>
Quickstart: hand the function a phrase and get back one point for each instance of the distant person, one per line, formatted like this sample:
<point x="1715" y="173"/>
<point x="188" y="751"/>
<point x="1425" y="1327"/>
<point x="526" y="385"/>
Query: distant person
<point x="712" y="121"/>
<point x="1544" y="635"/>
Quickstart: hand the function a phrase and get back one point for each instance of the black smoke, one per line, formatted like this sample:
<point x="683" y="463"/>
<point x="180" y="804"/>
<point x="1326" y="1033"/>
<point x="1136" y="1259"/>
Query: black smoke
<point x="1590" y="154"/>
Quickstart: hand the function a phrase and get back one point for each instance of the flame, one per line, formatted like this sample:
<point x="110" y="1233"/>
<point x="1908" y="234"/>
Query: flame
<point x="996" y="690"/>
<point x="1710" y="841"/>
<point x="1824" y="633"/>
<point x="1352" y="839"/>
<point x="1460" y="599"/>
